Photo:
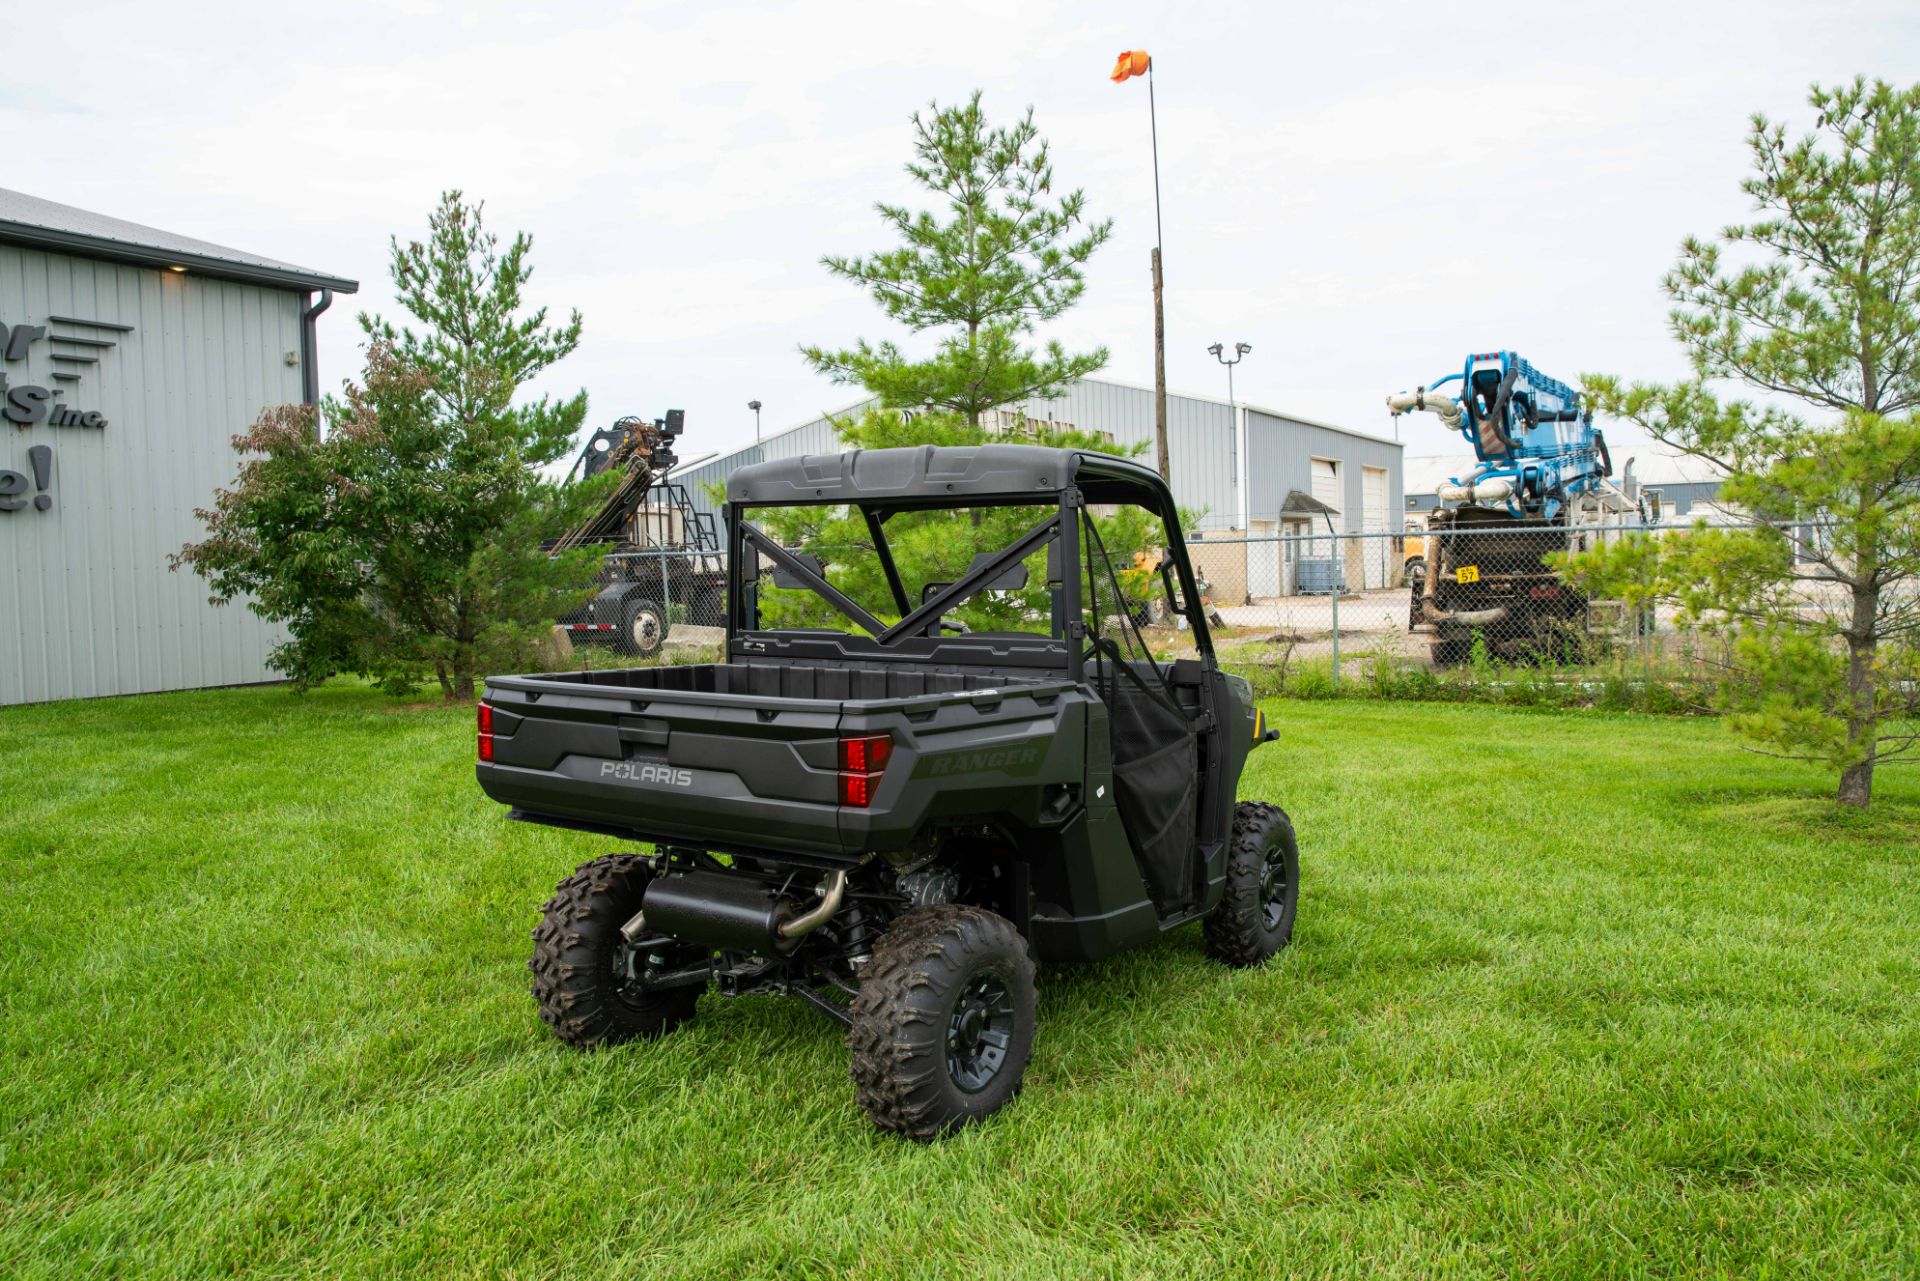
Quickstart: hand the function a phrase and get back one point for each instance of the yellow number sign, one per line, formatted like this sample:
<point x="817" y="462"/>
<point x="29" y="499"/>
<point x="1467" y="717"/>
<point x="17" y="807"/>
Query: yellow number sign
<point x="1467" y="574"/>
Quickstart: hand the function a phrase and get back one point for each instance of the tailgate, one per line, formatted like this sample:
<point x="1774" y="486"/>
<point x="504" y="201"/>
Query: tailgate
<point x="705" y="769"/>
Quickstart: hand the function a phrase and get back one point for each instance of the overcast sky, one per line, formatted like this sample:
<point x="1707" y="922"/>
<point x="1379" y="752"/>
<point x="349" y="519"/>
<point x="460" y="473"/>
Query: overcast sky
<point x="1364" y="192"/>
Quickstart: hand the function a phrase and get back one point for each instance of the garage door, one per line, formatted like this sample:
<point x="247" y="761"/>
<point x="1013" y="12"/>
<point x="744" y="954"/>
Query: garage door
<point x="1373" y="515"/>
<point x="1326" y="488"/>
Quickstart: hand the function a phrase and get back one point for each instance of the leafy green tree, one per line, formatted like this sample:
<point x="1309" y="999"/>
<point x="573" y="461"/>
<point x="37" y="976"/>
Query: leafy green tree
<point x="1005" y="257"/>
<point x="1817" y="606"/>
<point x="405" y="539"/>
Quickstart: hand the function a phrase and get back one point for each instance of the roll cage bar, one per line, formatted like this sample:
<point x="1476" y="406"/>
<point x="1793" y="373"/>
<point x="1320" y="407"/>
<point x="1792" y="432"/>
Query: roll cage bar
<point x="1069" y="530"/>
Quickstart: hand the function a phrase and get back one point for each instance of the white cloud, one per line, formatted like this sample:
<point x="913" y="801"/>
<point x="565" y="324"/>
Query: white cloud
<point x="1364" y="192"/>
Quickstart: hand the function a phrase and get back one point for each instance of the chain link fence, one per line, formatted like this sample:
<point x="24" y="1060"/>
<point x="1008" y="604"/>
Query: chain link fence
<point x="1475" y="613"/>
<point x="1469" y="607"/>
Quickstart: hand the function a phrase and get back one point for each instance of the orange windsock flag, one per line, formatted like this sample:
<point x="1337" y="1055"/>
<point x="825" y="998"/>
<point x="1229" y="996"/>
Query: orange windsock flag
<point x="1133" y="62"/>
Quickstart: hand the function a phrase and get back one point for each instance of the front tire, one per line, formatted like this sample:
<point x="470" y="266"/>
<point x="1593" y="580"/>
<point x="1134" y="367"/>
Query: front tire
<point x="580" y="967"/>
<point x="1255" y="918"/>
<point x="943" y="1026"/>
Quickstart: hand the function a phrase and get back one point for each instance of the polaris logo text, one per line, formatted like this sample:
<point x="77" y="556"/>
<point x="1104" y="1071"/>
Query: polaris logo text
<point x="665" y="775"/>
<point x="1003" y="758"/>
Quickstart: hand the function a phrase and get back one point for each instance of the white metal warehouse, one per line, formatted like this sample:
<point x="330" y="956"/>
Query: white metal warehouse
<point x="132" y="356"/>
<point x="1356" y="477"/>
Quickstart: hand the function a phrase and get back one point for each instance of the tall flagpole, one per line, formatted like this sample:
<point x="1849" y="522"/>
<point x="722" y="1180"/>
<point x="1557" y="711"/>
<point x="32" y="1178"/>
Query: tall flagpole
<point x="1159" y="313"/>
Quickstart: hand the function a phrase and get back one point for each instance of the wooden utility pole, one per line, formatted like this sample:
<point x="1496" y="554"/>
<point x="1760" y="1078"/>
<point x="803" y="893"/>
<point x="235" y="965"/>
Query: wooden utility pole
<point x="1159" y="313"/>
<point x="1160" y="374"/>
<point x="1135" y="62"/>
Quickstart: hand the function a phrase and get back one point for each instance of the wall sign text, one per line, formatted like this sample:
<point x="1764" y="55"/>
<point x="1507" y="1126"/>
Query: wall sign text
<point x="15" y="486"/>
<point x="25" y="404"/>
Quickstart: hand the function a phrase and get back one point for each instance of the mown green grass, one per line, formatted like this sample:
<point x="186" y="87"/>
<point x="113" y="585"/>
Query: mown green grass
<point x="1571" y="995"/>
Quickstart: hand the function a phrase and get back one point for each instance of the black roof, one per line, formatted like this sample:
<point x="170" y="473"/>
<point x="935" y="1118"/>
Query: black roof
<point x="915" y="475"/>
<point x="46" y="224"/>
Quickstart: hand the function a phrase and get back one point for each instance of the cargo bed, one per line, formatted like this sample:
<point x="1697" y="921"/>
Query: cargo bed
<point x="748" y="756"/>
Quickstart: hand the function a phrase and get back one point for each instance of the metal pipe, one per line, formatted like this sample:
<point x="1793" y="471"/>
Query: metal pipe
<point x="1468" y="617"/>
<point x="1491" y="489"/>
<point x="310" y="349"/>
<point x="796" y="928"/>
<point x="1445" y="407"/>
<point x="635" y="929"/>
<point x="1430" y="586"/>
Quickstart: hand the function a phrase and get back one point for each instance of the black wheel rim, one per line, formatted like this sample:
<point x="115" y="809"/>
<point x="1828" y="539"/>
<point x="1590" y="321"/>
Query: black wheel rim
<point x="979" y="1031"/>
<point x="1273" y="887"/>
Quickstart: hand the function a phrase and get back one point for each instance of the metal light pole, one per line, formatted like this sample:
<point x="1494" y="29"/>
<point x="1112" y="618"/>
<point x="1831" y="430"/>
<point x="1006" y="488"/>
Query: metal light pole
<point x="754" y="405"/>
<point x="1218" y="352"/>
<point x="1241" y="479"/>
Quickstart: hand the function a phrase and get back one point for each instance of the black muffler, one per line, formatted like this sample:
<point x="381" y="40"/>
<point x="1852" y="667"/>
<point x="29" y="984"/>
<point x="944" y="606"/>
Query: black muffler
<point x="733" y="912"/>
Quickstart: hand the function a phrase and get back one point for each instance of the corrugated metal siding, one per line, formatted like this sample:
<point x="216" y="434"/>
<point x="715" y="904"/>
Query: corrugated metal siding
<point x="815" y="436"/>
<point x="94" y="609"/>
<point x="1280" y="453"/>
<point x="1200" y="438"/>
<point x="1680" y="499"/>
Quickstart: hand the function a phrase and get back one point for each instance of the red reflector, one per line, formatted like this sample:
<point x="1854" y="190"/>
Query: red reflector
<point x="868" y="753"/>
<point x="484" y="712"/>
<point x="857" y="789"/>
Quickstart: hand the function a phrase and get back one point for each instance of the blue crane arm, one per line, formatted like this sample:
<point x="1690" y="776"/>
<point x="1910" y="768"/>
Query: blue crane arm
<point x="1532" y="432"/>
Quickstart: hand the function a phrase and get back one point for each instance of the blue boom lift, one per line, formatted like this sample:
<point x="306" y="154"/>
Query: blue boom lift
<point x="1543" y="484"/>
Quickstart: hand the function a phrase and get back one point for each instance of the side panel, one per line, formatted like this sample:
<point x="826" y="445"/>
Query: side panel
<point x="991" y="758"/>
<point x="1089" y="899"/>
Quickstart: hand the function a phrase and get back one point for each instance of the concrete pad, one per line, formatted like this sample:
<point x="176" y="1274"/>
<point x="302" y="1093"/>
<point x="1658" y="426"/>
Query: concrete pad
<point x="691" y="636"/>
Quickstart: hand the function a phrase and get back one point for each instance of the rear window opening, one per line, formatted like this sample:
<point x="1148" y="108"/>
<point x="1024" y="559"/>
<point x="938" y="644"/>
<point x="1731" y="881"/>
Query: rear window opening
<point x="933" y="549"/>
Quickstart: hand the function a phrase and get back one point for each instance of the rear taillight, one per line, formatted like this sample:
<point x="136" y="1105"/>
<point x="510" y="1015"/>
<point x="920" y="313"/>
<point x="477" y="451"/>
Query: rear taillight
<point x="486" y="731"/>
<point x="862" y="761"/>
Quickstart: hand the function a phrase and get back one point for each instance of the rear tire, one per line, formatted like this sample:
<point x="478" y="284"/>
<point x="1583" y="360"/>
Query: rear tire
<point x="578" y="955"/>
<point x="1255" y="919"/>
<point x="943" y="1026"/>
<point x="643" y="629"/>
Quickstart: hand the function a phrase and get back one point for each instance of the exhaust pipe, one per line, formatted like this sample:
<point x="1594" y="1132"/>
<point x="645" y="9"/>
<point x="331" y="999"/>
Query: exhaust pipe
<point x="792" y="931"/>
<point x="731" y="911"/>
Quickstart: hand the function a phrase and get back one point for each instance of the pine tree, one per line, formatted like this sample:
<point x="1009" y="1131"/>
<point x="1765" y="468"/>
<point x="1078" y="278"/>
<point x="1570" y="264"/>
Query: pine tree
<point x="1817" y="606"/>
<point x="1005" y="258"/>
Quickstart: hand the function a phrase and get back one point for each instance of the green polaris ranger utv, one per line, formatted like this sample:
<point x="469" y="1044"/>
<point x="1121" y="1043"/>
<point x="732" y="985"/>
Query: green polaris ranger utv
<point x="890" y="808"/>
